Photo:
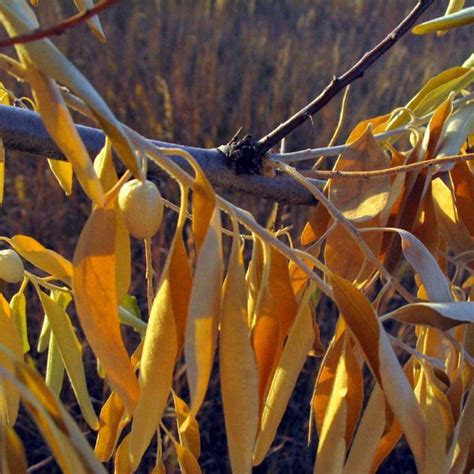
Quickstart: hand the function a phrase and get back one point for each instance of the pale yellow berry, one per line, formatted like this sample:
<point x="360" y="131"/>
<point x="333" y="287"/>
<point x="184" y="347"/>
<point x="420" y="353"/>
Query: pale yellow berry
<point x="142" y="208"/>
<point x="11" y="266"/>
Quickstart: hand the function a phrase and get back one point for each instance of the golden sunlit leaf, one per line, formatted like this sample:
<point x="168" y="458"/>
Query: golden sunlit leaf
<point x="94" y="285"/>
<point x="156" y="372"/>
<point x="363" y="199"/>
<point x="238" y="369"/>
<point x="54" y="376"/>
<point x="18" y="307"/>
<point x="60" y="126"/>
<point x="112" y="420"/>
<point x="122" y="457"/>
<point x="463" y="187"/>
<point x="63" y="173"/>
<point x="299" y="343"/>
<point x="187" y="462"/>
<point x="189" y="435"/>
<point x="363" y="323"/>
<point x="2" y="171"/>
<point x="47" y="260"/>
<point x="9" y="338"/>
<point x="204" y="312"/>
<point x="13" y="458"/>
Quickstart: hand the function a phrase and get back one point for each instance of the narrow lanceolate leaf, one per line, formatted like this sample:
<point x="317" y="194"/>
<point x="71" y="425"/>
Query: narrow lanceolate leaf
<point x="204" y="312"/>
<point x="187" y="462"/>
<point x="70" y="350"/>
<point x="94" y="285"/>
<point x="463" y="187"/>
<point x="9" y="338"/>
<point x="238" y="369"/>
<point x="63" y="172"/>
<point x="60" y="126"/>
<point x="454" y="20"/>
<point x="342" y="412"/>
<point x="299" y="343"/>
<point x="94" y="22"/>
<point x="18" y="307"/>
<point x="380" y="357"/>
<point x="458" y="127"/>
<point x="47" y="260"/>
<point x="443" y="316"/>
<point x="2" y="170"/>
<point x="13" y="457"/>
<point x="160" y="349"/>
<point x="18" y="18"/>
<point x="156" y="372"/>
<point x="425" y="265"/>
<point x="452" y="228"/>
<point x="363" y="199"/>
<point x="188" y="428"/>
<point x="433" y="93"/>
<point x="54" y="367"/>
<point x="104" y="167"/>
<point x="112" y="420"/>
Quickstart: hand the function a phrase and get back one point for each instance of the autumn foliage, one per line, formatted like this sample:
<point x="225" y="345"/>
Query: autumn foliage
<point x="390" y="241"/>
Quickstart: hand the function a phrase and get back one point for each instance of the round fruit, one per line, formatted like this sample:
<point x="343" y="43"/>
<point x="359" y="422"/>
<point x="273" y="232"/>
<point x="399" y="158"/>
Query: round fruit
<point x="142" y="208"/>
<point x="11" y="266"/>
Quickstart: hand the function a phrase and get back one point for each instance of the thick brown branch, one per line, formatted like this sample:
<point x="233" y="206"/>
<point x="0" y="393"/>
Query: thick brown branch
<point x="23" y="130"/>
<point x="59" y="28"/>
<point x="339" y="83"/>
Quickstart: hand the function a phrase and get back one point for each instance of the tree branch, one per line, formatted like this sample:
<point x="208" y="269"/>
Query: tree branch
<point x="60" y="28"/>
<point x="23" y="130"/>
<point x="338" y="83"/>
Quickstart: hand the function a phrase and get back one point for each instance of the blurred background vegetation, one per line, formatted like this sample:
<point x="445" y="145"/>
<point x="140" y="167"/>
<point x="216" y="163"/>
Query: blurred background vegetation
<point x="194" y="72"/>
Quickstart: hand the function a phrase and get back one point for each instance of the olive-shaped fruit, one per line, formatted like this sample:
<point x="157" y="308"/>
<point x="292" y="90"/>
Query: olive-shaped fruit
<point x="142" y="208"/>
<point x="11" y="266"/>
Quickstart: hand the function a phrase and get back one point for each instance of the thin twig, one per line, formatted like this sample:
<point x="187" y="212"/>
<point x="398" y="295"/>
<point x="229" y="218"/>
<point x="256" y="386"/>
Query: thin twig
<point x="59" y="28"/>
<point x="339" y="83"/>
<point x="335" y="174"/>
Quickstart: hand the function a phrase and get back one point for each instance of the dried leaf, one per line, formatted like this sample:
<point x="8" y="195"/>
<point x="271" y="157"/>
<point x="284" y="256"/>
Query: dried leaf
<point x="94" y="285"/>
<point x="204" y="312"/>
<point x="364" y="199"/>
<point x="443" y="316"/>
<point x="47" y="260"/>
<point x="380" y="357"/>
<point x="463" y="187"/>
<point x="299" y="343"/>
<point x="238" y="369"/>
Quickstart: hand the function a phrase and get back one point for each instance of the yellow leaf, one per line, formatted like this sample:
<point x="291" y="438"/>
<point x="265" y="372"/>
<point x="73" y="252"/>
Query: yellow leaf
<point x="47" y="260"/>
<point x="187" y="462"/>
<point x="2" y="170"/>
<point x="380" y="357"/>
<point x="156" y="372"/>
<point x="299" y="343"/>
<point x="112" y="420"/>
<point x="463" y="187"/>
<point x="122" y="458"/>
<point x="60" y="126"/>
<point x="204" y="312"/>
<point x="189" y="435"/>
<point x="13" y="453"/>
<point x="451" y="226"/>
<point x="454" y="20"/>
<point x="70" y="350"/>
<point x="9" y="338"/>
<point x="238" y="369"/>
<point x="433" y="93"/>
<point x="94" y="285"/>
<point x="18" y="307"/>
<point x="104" y="167"/>
<point x="204" y="203"/>
<point x="363" y="199"/>
<point x="63" y="173"/>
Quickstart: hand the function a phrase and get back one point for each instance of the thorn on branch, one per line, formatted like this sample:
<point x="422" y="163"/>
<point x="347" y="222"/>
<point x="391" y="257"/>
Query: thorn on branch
<point x="244" y="155"/>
